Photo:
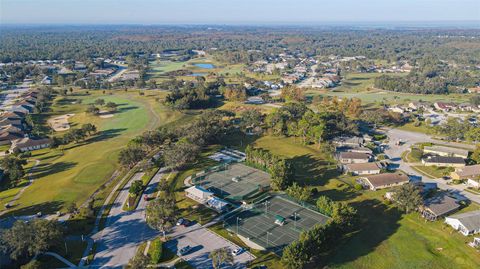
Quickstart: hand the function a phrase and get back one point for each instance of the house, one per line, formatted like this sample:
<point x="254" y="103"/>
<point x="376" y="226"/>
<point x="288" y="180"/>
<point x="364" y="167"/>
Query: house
<point x="438" y="206"/>
<point x="360" y="150"/>
<point x="446" y="151"/>
<point x="381" y="181"/>
<point x="396" y="109"/>
<point x="362" y="168"/>
<point x="30" y="144"/>
<point x="348" y="141"/>
<point x="353" y="157"/>
<point x="198" y="194"/>
<point x="471" y="171"/>
<point x="443" y="161"/>
<point x="6" y="138"/>
<point x="476" y="242"/>
<point x="445" y="107"/>
<point x="473" y="183"/>
<point x="419" y="105"/>
<point x="46" y="80"/>
<point x="466" y="223"/>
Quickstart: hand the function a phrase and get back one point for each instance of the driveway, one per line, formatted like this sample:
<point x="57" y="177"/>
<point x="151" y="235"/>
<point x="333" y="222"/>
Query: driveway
<point x="124" y="230"/>
<point x="394" y="152"/>
<point x="203" y="241"/>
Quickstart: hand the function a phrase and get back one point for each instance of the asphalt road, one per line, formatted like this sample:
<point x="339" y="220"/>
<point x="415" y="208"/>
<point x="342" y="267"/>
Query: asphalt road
<point x="124" y="231"/>
<point x="394" y="152"/>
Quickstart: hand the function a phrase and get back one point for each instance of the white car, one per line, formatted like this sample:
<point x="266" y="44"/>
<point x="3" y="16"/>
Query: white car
<point x="237" y="251"/>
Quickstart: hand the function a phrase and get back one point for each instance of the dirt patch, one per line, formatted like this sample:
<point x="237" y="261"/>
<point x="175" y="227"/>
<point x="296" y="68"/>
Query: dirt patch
<point x="60" y="123"/>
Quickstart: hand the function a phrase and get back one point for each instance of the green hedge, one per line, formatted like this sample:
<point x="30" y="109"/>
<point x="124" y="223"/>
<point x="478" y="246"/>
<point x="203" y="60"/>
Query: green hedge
<point x="156" y="250"/>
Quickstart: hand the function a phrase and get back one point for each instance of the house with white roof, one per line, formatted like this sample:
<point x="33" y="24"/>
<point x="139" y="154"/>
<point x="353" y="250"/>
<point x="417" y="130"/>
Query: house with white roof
<point x="466" y="223"/>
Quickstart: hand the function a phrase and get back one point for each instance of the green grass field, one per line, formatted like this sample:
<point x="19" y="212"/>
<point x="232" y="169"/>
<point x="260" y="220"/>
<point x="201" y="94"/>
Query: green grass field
<point x="360" y="85"/>
<point x="73" y="172"/>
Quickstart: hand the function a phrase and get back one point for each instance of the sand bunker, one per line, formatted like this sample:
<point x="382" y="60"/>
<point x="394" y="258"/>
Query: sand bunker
<point x="104" y="114"/>
<point x="60" y="123"/>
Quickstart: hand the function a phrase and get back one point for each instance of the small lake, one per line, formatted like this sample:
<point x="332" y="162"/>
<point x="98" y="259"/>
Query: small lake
<point x="205" y="66"/>
<point x="198" y="74"/>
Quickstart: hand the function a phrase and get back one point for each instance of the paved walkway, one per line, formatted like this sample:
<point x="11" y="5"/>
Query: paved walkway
<point x="124" y="230"/>
<point x="394" y="152"/>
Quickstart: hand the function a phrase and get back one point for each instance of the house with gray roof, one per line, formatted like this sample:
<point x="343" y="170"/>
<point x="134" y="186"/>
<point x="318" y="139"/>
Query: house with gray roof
<point x="438" y="206"/>
<point x="466" y="223"/>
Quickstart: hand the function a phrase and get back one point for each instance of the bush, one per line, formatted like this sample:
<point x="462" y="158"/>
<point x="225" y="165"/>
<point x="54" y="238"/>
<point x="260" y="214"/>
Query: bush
<point x="358" y="187"/>
<point x="379" y="137"/>
<point x="156" y="250"/>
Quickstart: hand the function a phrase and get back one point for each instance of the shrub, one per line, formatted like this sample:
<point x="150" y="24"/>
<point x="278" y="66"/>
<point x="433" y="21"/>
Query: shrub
<point x="358" y="187"/>
<point x="156" y="250"/>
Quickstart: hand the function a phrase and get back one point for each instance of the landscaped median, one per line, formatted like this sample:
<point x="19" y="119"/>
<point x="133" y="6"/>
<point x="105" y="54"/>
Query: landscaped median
<point x="137" y="187"/>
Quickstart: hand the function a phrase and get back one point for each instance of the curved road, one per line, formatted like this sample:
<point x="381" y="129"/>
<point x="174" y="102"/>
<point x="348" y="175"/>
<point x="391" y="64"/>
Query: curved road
<point x="394" y="152"/>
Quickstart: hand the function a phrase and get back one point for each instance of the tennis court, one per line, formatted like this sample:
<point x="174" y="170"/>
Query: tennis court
<point x="234" y="181"/>
<point x="259" y="223"/>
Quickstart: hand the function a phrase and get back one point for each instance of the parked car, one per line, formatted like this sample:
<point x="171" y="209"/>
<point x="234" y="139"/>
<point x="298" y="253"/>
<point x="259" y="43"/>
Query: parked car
<point x="184" y="250"/>
<point x="180" y="221"/>
<point x="237" y="251"/>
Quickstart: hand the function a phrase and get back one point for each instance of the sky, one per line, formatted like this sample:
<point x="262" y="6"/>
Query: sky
<point x="234" y="11"/>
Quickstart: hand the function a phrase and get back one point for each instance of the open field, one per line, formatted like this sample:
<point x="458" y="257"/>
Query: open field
<point x="360" y="85"/>
<point x="73" y="172"/>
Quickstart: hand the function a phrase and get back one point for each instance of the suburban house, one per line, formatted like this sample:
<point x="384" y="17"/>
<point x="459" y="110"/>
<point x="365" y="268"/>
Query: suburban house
<point x="348" y="141"/>
<point x="28" y="144"/>
<point x="446" y="151"/>
<point x="353" y="157"/>
<point x="471" y="171"/>
<point x="444" y="106"/>
<point x="419" y="105"/>
<point x="443" y="161"/>
<point x="198" y="194"/>
<point x="476" y="242"/>
<point x="473" y="183"/>
<point x="357" y="169"/>
<point x="466" y="223"/>
<point x="438" y="206"/>
<point x="382" y="181"/>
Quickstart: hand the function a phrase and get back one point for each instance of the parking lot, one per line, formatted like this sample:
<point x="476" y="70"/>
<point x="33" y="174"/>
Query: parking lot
<point x="203" y="241"/>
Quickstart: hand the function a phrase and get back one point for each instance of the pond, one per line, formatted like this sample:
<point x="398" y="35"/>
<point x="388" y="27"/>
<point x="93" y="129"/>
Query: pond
<point x="205" y="66"/>
<point x="198" y="74"/>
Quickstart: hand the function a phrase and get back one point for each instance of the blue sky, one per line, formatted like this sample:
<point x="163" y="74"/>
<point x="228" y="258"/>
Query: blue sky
<point x="233" y="11"/>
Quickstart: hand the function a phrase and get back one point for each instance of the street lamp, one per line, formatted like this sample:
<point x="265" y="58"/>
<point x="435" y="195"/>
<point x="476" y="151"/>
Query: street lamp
<point x="295" y="222"/>
<point x="266" y="206"/>
<point x="267" y="237"/>
<point x="237" y="223"/>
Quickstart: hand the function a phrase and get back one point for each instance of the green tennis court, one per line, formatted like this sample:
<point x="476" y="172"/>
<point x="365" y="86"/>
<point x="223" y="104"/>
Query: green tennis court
<point x="261" y="223"/>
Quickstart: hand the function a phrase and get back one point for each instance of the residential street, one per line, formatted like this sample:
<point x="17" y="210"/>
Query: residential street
<point x="124" y="231"/>
<point x="394" y="152"/>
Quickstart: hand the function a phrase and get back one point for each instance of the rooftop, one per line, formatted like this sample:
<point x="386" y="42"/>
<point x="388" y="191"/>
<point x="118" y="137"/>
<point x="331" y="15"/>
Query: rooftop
<point x="441" y="204"/>
<point x="470" y="220"/>
<point x="387" y="179"/>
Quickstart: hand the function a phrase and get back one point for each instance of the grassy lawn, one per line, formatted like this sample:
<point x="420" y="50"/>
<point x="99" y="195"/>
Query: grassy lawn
<point x="434" y="171"/>
<point x="423" y="128"/>
<point x="390" y="240"/>
<point x="73" y="172"/>
<point x="360" y="85"/>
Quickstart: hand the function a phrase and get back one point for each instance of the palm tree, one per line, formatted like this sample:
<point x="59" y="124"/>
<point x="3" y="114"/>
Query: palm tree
<point x="221" y="256"/>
